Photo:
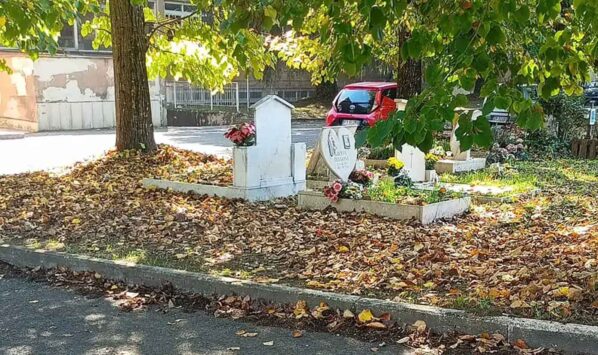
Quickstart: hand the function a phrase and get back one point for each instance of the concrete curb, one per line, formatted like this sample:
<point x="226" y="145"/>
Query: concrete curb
<point x="9" y="136"/>
<point x="571" y="338"/>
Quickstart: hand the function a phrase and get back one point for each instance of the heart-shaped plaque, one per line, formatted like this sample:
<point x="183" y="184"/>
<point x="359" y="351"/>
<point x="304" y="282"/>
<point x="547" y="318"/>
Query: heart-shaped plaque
<point x="337" y="145"/>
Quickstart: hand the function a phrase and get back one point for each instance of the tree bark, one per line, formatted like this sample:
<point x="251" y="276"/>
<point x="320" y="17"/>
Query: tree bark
<point x="326" y="90"/>
<point x="409" y="72"/>
<point x="134" y="128"/>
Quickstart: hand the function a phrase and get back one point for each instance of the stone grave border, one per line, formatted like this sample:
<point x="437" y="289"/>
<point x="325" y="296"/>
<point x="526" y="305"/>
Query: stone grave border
<point x="271" y="168"/>
<point x="426" y="214"/>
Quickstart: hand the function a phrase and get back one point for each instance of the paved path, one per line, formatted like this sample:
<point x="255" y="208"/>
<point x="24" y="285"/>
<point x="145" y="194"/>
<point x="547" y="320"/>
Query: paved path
<point x="51" y="150"/>
<point x="39" y="319"/>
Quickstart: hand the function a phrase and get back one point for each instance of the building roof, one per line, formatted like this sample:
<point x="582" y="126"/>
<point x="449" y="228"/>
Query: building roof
<point x="371" y="85"/>
<point x="269" y="98"/>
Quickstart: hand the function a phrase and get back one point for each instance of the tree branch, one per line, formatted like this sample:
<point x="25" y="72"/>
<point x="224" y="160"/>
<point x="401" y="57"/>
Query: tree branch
<point x="170" y="22"/>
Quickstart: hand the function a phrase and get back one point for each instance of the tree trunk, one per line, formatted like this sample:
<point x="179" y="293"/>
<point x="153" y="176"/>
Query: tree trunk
<point x="134" y="128"/>
<point x="409" y="73"/>
<point x="326" y="90"/>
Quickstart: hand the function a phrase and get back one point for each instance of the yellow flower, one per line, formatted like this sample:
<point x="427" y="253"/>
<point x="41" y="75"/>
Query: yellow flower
<point x="395" y="163"/>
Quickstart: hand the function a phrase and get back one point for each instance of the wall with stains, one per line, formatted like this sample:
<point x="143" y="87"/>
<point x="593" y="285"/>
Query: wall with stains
<point x="63" y="93"/>
<point x="18" y="108"/>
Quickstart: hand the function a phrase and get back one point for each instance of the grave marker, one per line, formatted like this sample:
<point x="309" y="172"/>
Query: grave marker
<point x="337" y="148"/>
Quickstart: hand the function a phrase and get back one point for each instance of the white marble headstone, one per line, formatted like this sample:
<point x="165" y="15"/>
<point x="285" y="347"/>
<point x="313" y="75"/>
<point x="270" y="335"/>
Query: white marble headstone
<point x="415" y="162"/>
<point x="337" y="145"/>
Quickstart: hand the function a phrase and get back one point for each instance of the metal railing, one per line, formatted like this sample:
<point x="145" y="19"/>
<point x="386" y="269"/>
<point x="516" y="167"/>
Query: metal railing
<point x="183" y="94"/>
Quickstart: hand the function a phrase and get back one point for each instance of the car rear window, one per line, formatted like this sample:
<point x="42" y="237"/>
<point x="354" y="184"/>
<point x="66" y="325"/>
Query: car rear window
<point x="355" y="101"/>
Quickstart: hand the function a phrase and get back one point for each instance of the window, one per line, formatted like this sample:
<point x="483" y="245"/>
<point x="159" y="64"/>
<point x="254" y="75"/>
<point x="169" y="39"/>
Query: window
<point x="86" y="43"/>
<point x="359" y="101"/>
<point x="390" y="93"/>
<point x="255" y="95"/>
<point x="67" y="37"/>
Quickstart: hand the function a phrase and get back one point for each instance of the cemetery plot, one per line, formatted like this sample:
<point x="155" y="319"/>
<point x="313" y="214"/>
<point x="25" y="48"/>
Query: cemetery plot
<point x="460" y="161"/>
<point x="497" y="183"/>
<point x="424" y="213"/>
<point x="360" y="190"/>
<point x="266" y="165"/>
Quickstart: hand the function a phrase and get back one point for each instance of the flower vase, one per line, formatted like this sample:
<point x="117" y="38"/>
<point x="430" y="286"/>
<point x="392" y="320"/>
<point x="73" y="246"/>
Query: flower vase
<point x="431" y="176"/>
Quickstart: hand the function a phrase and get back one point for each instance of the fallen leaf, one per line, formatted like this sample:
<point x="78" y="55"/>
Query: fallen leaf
<point x="348" y="314"/>
<point x="297" y="333"/>
<point x="521" y="344"/>
<point x="376" y="325"/>
<point x="420" y="326"/>
<point x="403" y="340"/>
<point x="343" y="249"/>
<point x="301" y="309"/>
<point x="365" y="316"/>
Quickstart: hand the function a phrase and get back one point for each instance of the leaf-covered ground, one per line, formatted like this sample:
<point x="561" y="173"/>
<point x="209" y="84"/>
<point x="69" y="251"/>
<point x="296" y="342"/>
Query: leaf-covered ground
<point x="535" y="258"/>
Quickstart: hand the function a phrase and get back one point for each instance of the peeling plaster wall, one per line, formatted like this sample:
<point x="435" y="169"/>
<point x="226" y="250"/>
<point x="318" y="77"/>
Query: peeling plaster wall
<point x="64" y="93"/>
<point x="18" y="109"/>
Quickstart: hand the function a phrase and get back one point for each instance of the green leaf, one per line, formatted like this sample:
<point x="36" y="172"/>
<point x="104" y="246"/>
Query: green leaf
<point x="481" y="62"/>
<point x="380" y="134"/>
<point x="361" y="137"/>
<point x="502" y="102"/>
<point x="427" y="143"/>
<point x="467" y="82"/>
<point x="488" y="88"/>
<point x="482" y="132"/>
<point x="270" y="12"/>
<point x="377" y="17"/>
<point x="433" y="73"/>
<point x="460" y="101"/>
<point x="495" y="36"/>
<point x="522" y="15"/>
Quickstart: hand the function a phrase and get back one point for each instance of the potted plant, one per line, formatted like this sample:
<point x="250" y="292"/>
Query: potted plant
<point x="394" y="166"/>
<point x="242" y="135"/>
<point x="244" y="154"/>
<point x="431" y="160"/>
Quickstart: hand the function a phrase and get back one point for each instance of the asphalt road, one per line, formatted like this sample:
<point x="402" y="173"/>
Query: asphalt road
<point x="45" y="151"/>
<point x="39" y="319"/>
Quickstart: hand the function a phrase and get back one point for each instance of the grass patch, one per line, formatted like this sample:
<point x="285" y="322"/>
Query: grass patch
<point x="516" y="180"/>
<point x="386" y="191"/>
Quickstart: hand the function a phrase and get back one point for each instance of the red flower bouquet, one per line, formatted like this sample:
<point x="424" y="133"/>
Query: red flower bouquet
<point x="333" y="191"/>
<point x="242" y="135"/>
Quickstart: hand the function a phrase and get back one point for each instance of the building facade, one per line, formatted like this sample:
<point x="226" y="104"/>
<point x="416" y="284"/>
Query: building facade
<point x="74" y="89"/>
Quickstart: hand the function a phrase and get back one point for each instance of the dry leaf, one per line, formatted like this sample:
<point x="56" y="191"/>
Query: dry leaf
<point x="348" y="314"/>
<point x="365" y="316"/>
<point x="297" y="333"/>
<point x="420" y="326"/>
<point x="520" y="343"/>
<point x="376" y="325"/>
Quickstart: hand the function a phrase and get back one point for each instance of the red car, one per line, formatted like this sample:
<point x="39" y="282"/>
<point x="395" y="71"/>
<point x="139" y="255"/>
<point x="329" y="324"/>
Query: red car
<point x="366" y="103"/>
